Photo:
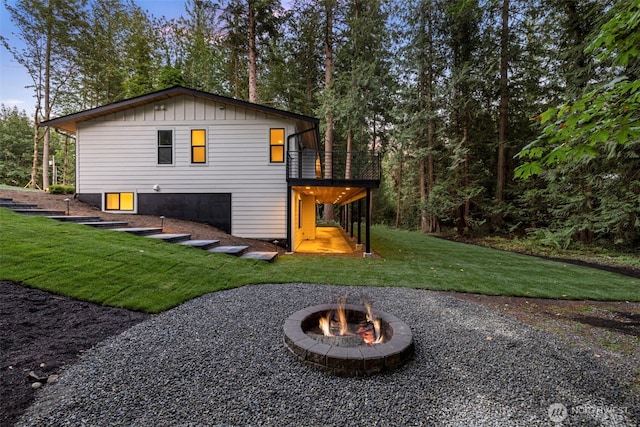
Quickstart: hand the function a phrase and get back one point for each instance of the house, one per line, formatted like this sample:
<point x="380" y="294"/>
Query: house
<point x="247" y="169"/>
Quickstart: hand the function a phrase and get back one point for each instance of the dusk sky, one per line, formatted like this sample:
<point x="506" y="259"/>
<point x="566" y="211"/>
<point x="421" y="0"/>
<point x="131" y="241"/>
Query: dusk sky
<point x="14" y="77"/>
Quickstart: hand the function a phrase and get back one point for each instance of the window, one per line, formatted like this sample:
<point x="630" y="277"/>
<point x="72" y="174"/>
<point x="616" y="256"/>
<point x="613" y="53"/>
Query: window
<point x="165" y="147"/>
<point x="198" y="146"/>
<point x="118" y="201"/>
<point x="276" y="146"/>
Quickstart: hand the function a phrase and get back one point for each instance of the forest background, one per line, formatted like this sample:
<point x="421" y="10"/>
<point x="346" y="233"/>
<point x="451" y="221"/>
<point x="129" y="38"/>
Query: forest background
<point x="492" y="116"/>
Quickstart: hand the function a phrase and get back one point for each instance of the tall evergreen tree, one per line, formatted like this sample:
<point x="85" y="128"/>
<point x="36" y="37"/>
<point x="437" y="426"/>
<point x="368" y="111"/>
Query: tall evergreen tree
<point x="101" y="72"/>
<point x="420" y="65"/>
<point x="251" y="29"/>
<point x="141" y="59"/>
<point x="49" y="32"/>
<point x="199" y="41"/>
<point x="328" y="97"/>
<point x="15" y="146"/>
<point x="363" y="84"/>
<point x="302" y="48"/>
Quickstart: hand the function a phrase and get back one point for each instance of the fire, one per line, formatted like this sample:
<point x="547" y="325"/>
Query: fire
<point x="377" y="333"/>
<point x="335" y="323"/>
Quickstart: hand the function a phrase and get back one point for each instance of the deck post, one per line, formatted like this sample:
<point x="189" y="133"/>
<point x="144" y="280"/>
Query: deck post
<point x="289" y="242"/>
<point x="351" y="219"/>
<point x="359" y="221"/>
<point x="367" y="226"/>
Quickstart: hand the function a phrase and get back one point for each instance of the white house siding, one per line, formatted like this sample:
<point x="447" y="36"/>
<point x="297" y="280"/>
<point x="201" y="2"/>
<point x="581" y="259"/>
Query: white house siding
<point x="118" y="153"/>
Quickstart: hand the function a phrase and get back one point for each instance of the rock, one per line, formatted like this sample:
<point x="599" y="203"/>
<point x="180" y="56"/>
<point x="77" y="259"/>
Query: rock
<point x="36" y="385"/>
<point x="35" y="377"/>
<point x="52" y="378"/>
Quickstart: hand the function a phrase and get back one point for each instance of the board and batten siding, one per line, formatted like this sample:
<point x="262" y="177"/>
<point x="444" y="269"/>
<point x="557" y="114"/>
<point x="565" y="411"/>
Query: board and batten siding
<point x="118" y="153"/>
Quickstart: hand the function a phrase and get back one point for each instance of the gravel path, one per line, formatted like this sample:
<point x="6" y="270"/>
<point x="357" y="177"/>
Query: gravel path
<point x="219" y="360"/>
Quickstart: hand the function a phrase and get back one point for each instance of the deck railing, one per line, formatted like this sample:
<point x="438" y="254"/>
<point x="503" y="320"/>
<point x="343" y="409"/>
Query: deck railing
<point x="342" y="165"/>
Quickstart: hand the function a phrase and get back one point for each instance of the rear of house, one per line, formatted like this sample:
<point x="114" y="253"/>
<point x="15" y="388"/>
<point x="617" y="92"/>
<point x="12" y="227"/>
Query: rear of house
<point x="250" y="170"/>
<point x="187" y="154"/>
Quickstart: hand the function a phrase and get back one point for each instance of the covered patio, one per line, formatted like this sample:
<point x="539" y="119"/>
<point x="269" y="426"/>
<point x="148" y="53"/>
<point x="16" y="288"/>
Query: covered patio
<point x="355" y="175"/>
<point x="329" y="240"/>
<point x="353" y="232"/>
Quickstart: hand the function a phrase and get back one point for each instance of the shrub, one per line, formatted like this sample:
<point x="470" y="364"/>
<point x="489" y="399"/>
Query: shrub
<point x="62" y="189"/>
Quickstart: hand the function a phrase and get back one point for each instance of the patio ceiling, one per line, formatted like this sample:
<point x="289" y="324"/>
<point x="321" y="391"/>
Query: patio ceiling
<point x="333" y="195"/>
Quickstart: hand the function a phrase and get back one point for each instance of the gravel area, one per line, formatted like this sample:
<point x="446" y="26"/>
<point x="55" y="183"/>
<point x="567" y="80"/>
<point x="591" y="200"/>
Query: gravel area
<point x="219" y="360"/>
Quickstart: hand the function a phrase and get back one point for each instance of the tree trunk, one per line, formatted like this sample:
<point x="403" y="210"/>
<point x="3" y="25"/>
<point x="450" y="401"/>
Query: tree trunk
<point x="328" y="76"/>
<point x="501" y="168"/>
<point x="423" y="194"/>
<point x="34" y="168"/>
<point x="577" y="77"/>
<point x="236" y="75"/>
<point x="433" y="225"/>
<point x="47" y="106"/>
<point x="399" y="192"/>
<point x="347" y="172"/>
<point x="423" y="102"/>
<point x="253" y="78"/>
<point x="464" y="210"/>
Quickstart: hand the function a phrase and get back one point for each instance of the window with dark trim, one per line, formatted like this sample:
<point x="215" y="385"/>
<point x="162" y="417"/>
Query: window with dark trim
<point x="198" y="146"/>
<point x="118" y="201"/>
<point x="276" y="145"/>
<point x="165" y="147"/>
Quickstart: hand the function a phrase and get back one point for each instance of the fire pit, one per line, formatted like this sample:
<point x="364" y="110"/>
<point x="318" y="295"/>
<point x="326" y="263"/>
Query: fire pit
<point x="348" y="339"/>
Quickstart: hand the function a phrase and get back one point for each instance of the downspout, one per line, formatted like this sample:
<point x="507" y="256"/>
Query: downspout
<point x="289" y="233"/>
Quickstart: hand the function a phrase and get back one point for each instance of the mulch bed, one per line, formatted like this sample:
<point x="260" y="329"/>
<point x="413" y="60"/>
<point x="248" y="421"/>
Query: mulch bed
<point x="40" y="332"/>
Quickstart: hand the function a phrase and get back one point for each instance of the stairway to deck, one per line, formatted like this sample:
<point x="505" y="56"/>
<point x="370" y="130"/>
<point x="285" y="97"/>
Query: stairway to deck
<point x="150" y="232"/>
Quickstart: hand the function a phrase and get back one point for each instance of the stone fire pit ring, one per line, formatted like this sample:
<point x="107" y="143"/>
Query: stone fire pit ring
<point x="361" y="360"/>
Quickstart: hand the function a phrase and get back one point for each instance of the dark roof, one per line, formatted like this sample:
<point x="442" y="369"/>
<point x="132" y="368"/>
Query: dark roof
<point x="69" y="122"/>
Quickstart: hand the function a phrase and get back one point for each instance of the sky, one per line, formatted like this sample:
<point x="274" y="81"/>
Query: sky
<point x="14" y="77"/>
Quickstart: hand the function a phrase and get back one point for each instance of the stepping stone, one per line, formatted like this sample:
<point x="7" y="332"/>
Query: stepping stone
<point x="42" y="212"/>
<point x="262" y="256"/>
<point x="139" y="231"/>
<point x="13" y="205"/>
<point x="105" y="224"/>
<point x="170" y="238"/>
<point x="200" y="244"/>
<point x="229" y="250"/>
<point x="74" y="218"/>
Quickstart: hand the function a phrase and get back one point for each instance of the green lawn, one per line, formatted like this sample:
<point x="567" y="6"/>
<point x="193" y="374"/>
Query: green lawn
<point x="121" y="270"/>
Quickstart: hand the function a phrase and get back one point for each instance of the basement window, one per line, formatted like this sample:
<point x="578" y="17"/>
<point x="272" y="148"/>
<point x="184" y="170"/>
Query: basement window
<point x="118" y="201"/>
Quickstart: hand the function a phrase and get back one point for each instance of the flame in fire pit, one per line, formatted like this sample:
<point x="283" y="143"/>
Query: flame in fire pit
<point x="335" y="323"/>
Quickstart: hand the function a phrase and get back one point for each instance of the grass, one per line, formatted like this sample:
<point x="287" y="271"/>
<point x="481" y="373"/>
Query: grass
<point x="121" y="270"/>
<point x="595" y="254"/>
